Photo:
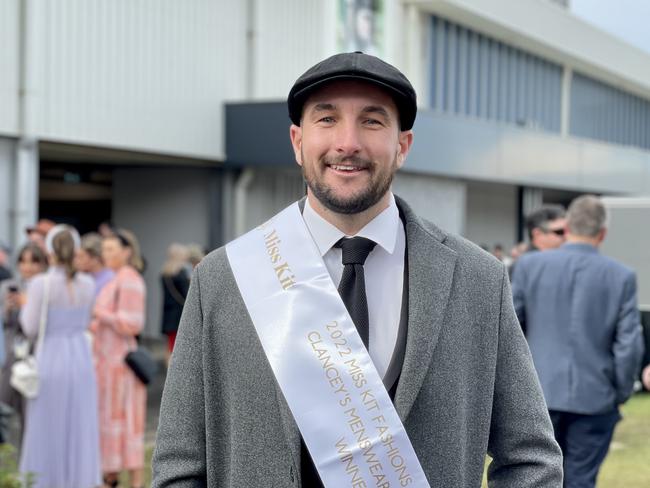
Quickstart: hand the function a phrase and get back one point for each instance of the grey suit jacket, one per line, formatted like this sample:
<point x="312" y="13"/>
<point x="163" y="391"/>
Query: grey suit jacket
<point x="467" y="387"/>
<point x="579" y="310"/>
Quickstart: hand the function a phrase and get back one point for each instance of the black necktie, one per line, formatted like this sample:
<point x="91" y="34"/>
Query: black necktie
<point x="353" y="286"/>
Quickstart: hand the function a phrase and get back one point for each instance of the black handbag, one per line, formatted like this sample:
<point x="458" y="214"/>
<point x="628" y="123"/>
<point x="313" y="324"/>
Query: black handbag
<point x="140" y="361"/>
<point x="142" y="364"/>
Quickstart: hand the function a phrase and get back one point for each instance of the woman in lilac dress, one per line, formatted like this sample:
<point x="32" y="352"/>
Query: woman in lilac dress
<point x="61" y="441"/>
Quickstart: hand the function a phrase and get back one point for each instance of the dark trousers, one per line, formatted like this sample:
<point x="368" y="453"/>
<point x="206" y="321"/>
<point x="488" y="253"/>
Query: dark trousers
<point x="584" y="440"/>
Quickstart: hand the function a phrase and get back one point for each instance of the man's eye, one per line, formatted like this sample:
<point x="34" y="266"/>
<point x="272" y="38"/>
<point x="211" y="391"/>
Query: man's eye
<point x="373" y="122"/>
<point x="327" y="120"/>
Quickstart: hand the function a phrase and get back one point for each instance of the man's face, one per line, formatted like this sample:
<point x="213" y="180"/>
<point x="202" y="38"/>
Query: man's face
<point x="550" y="235"/>
<point x="349" y="145"/>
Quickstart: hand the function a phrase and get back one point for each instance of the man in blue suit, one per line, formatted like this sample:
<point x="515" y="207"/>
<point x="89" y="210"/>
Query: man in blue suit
<point x="579" y="310"/>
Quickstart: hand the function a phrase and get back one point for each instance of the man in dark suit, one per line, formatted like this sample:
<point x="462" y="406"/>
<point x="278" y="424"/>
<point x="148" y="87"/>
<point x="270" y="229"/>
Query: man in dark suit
<point x="439" y="325"/>
<point x="580" y="314"/>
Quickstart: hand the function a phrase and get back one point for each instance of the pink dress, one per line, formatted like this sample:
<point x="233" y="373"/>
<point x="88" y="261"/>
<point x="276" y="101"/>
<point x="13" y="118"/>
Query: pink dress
<point x="119" y="316"/>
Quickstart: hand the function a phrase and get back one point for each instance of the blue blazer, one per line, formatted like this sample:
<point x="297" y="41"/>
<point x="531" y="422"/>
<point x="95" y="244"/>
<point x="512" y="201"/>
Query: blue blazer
<point x="579" y="311"/>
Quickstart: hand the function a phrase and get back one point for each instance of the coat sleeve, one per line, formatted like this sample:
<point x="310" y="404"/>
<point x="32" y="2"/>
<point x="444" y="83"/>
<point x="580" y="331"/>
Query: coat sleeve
<point x="179" y="458"/>
<point x="522" y="446"/>
<point x="628" y="342"/>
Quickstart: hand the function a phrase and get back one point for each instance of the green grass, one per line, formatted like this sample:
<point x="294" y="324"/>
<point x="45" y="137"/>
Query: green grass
<point x="124" y="476"/>
<point x="628" y="463"/>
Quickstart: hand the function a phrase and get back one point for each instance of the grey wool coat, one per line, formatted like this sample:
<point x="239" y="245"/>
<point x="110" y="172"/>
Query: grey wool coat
<point x="467" y="387"/>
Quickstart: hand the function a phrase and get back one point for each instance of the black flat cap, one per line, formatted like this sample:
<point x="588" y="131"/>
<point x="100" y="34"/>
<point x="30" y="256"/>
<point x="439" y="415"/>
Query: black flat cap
<point x="360" y="67"/>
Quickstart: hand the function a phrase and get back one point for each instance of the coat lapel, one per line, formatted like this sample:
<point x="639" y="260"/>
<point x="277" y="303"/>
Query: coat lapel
<point x="430" y="269"/>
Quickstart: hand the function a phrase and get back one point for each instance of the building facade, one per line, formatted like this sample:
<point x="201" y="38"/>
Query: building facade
<point x="168" y="118"/>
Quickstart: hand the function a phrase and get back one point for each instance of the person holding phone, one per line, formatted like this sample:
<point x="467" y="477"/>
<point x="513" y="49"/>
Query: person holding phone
<point x="31" y="262"/>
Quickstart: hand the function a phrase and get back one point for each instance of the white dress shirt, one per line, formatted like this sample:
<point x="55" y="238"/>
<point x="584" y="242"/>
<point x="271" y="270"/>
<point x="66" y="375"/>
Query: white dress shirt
<point x="384" y="273"/>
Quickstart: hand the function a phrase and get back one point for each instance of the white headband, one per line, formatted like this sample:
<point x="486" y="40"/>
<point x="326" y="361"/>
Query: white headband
<point x="57" y="229"/>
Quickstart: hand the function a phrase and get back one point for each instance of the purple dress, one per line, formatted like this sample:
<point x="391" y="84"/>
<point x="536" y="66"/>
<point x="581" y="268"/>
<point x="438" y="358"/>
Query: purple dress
<point x="101" y="278"/>
<point x="61" y="442"/>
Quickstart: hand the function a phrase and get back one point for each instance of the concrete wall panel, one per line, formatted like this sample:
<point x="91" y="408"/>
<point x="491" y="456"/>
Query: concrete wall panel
<point x="439" y="200"/>
<point x="492" y="214"/>
<point x="161" y="206"/>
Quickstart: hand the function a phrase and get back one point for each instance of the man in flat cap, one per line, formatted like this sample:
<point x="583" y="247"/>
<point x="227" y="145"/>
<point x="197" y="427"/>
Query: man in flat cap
<point x="346" y="341"/>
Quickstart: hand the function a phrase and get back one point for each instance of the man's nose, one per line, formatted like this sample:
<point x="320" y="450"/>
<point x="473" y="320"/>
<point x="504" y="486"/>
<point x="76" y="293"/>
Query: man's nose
<point x="348" y="139"/>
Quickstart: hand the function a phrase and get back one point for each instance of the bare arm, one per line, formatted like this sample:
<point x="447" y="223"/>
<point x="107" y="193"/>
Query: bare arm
<point x="30" y="313"/>
<point x="127" y="318"/>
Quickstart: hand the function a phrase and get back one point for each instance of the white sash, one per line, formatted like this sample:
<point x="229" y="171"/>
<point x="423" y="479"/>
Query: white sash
<point x="334" y="392"/>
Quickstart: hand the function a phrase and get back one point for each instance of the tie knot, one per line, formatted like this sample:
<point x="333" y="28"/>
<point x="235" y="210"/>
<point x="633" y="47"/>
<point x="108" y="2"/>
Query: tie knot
<point x="355" y="249"/>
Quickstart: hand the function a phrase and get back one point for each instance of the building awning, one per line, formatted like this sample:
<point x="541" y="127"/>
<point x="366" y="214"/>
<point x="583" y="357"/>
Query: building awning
<point x="257" y="134"/>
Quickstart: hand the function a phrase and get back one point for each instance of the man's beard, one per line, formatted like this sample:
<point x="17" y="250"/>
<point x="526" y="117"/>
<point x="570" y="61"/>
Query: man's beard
<point x="353" y="203"/>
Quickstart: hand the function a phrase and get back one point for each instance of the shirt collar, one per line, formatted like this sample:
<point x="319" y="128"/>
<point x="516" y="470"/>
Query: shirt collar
<point x="580" y="246"/>
<point x="382" y="229"/>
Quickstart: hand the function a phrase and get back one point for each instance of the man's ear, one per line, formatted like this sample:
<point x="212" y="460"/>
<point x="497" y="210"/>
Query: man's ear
<point x="295" y="133"/>
<point x="405" y="140"/>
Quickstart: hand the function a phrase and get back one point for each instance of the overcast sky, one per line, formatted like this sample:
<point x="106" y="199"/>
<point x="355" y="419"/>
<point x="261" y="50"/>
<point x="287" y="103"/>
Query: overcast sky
<point x="627" y="19"/>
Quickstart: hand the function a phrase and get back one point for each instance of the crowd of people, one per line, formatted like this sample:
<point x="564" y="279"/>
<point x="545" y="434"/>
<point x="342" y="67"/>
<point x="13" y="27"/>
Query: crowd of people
<point x="85" y="297"/>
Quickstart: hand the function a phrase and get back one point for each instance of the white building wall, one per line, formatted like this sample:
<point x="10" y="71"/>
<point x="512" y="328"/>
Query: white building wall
<point x="9" y="79"/>
<point x="439" y="200"/>
<point x="491" y="214"/>
<point x="150" y="75"/>
<point x="290" y="36"/>
<point x="161" y="206"/>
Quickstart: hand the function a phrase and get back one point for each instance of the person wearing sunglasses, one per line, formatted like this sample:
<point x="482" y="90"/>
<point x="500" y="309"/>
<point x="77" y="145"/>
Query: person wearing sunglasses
<point x="545" y="227"/>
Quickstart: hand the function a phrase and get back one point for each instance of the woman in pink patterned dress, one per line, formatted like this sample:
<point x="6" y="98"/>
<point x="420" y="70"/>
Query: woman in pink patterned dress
<point x="119" y="316"/>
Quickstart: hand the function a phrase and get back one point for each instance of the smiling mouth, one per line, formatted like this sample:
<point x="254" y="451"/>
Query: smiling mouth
<point x="346" y="168"/>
